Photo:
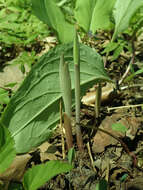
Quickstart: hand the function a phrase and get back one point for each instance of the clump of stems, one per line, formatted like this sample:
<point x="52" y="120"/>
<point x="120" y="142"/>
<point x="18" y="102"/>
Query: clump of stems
<point x="65" y="83"/>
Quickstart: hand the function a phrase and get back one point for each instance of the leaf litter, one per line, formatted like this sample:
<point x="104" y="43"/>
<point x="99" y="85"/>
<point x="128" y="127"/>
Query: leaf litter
<point x="109" y="158"/>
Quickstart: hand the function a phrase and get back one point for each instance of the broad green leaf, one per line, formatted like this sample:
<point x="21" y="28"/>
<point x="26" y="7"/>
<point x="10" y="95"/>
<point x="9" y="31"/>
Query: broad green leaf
<point x="94" y="14"/>
<point x="119" y="127"/>
<point x="51" y="14"/>
<point x="101" y="17"/>
<point x="33" y="111"/>
<point x="40" y="174"/>
<point x="40" y="11"/>
<point x="7" y="149"/>
<point x="83" y="13"/>
<point x="123" y="12"/>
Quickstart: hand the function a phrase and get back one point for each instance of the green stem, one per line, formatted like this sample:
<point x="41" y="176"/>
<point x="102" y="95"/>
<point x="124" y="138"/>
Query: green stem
<point x="76" y="56"/>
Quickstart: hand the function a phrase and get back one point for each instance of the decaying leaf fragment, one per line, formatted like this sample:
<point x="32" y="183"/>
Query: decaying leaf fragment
<point x="101" y="140"/>
<point x="16" y="170"/>
<point x="107" y="94"/>
<point x="48" y="152"/>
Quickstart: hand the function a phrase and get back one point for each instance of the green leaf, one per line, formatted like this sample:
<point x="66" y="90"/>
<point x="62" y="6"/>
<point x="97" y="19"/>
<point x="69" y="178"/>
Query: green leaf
<point x="124" y="177"/>
<point x="48" y="12"/>
<point x="117" y="52"/>
<point x="123" y="12"/>
<point x="83" y="13"/>
<point x="71" y="155"/>
<point x="33" y="111"/>
<point x="101" y="17"/>
<point x="11" y="85"/>
<point x="40" y="174"/>
<point x="110" y="47"/>
<point x="7" y="149"/>
<point x="119" y="127"/>
<point x="4" y="98"/>
<point x="94" y="14"/>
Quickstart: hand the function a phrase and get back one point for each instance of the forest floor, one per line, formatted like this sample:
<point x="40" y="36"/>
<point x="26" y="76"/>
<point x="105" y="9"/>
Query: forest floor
<point x="113" y="155"/>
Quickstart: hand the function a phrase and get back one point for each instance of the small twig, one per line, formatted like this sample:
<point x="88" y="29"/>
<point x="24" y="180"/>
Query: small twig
<point x="124" y="107"/>
<point x="90" y="155"/>
<point x="130" y="86"/>
<point x="107" y="170"/>
<point x="4" y="88"/>
<point x="98" y="100"/>
<point x="126" y="72"/>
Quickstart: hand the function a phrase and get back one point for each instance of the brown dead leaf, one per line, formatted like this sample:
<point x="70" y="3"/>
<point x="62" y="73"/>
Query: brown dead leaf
<point x="44" y="147"/>
<point x="48" y="152"/>
<point x="107" y="95"/>
<point x="16" y="170"/>
<point x="101" y="140"/>
<point x="134" y="123"/>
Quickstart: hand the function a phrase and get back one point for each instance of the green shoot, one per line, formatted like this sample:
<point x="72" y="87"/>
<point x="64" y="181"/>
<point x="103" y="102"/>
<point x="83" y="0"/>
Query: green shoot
<point x="71" y="155"/>
<point x="76" y="57"/>
<point x="65" y="83"/>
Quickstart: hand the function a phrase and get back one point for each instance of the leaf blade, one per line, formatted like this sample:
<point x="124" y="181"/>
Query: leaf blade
<point x="7" y="149"/>
<point x="33" y="111"/>
<point x="123" y="12"/>
<point x="38" y="175"/>
<point x="83" y="13"/>
<point x="51" y="14"/>
<point x="101" y="15"/>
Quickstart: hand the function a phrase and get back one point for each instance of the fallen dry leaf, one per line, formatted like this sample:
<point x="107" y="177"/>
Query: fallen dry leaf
<point x="16" y="170"/>
<point x="101" y="140"/>
<point x="107" y="95"/>
<point x="48" y="152"/>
